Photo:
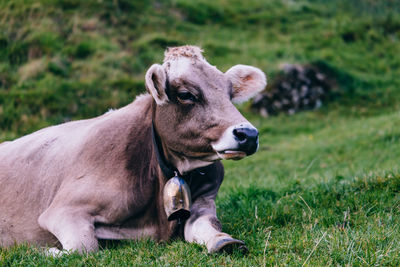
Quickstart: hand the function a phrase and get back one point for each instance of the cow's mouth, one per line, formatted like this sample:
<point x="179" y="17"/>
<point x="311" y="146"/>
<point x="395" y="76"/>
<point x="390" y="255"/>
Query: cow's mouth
<point x="231" y="154"/>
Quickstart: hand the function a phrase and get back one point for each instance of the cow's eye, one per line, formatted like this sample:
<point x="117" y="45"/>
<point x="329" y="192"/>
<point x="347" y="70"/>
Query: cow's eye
<point x="186" y="97"/>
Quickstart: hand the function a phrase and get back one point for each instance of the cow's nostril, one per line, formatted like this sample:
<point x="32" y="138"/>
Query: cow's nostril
<point x="240" y="135"/>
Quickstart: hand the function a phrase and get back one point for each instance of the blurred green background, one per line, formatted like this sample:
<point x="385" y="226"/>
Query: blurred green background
<point x="323" y="189"/>
<point x="70" y="59"/>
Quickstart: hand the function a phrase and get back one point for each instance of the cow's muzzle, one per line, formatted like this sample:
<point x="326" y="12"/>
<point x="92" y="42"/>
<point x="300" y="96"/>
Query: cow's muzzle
<point x="237" y="142"/>
<point x="247" y="139"/>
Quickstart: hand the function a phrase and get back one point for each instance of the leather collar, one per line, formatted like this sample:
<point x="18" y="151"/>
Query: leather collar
<point x="167" y="169"/>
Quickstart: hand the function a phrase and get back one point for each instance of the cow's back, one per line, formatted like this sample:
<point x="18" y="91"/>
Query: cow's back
<point x="34" y="167"/>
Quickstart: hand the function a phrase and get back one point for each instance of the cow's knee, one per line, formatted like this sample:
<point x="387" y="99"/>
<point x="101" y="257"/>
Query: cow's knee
<point x="75" y="231"/>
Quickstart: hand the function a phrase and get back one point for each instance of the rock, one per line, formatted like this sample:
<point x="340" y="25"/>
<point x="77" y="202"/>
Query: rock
<point x="297" y="88"/>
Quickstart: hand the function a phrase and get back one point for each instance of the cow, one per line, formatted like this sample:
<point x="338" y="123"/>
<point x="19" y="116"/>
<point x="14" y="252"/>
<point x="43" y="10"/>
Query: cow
<point x="66" y="187"/>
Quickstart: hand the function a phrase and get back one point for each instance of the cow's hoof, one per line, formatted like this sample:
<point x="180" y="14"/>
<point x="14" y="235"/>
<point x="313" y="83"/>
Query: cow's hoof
<point x="229" y="245"/>
<point x="54" y="252"/>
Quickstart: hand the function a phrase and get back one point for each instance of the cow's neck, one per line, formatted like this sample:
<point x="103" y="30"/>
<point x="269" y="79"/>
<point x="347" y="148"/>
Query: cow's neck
<point x="167" y="168"/>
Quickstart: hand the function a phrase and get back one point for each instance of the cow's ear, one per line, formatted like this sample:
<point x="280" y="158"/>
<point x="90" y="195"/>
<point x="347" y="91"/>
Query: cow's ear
<point x="156" y="83"/>
<point x="247" y="81"/>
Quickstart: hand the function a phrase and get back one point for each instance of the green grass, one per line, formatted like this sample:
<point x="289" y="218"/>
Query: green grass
<point x="323" y="189"/>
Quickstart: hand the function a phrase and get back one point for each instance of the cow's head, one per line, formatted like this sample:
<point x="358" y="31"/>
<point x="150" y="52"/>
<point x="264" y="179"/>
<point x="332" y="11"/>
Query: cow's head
<point x="194" y="113"/>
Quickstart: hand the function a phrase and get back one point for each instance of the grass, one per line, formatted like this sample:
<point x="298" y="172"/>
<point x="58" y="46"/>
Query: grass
<point x="324" y="187"/>
<point x="316" y="178"/>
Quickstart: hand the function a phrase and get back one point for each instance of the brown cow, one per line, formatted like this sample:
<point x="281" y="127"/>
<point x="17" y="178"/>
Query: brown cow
<point x="69" y="185"/>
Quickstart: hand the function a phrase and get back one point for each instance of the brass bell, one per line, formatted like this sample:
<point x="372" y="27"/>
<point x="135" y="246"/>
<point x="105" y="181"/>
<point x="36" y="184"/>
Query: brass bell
<point x="177" y="199"/>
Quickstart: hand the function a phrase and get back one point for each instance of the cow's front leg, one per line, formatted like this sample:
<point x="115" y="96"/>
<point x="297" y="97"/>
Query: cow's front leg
<point x="73" y="228"/>
<point x="203" y="227"/>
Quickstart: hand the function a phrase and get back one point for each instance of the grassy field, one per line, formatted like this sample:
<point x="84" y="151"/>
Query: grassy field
<point x="324" y="188"/>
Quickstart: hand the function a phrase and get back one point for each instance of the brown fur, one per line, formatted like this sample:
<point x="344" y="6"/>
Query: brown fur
<point x="174" y="53"/>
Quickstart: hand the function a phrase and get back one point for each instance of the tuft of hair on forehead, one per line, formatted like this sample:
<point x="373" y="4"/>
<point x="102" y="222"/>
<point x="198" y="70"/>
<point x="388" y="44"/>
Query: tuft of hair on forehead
<point x="189" y="51"/>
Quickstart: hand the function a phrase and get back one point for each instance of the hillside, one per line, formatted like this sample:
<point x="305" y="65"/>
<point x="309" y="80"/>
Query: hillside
<point x="323" y="188"/>
<point x="63" y="60"/>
